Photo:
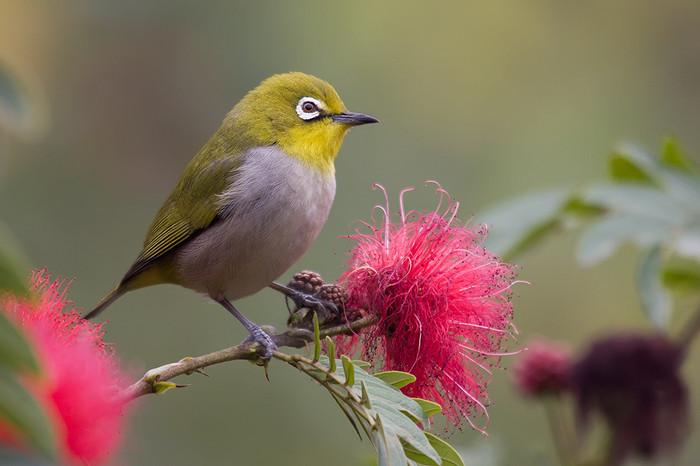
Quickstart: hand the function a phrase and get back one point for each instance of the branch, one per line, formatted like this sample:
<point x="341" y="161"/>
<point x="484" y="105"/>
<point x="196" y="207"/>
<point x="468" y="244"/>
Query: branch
<point x="156" y="380"/>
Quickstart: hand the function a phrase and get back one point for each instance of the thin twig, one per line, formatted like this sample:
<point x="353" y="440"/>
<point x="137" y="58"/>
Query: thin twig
<point x="294" y="338"/>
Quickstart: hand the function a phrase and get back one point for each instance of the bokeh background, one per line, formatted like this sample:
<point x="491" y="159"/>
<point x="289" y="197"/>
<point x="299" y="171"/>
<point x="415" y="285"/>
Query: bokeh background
<point x="492" y="99"/>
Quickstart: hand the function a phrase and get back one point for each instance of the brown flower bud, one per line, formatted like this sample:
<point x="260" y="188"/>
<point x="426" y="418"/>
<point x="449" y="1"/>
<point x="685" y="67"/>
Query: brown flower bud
<point x="306" y="281"/>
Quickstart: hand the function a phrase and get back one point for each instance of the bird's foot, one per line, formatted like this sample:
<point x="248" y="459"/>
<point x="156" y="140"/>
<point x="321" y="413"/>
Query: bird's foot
<point x="325" y="308"/>
<point x="266" y="343"/>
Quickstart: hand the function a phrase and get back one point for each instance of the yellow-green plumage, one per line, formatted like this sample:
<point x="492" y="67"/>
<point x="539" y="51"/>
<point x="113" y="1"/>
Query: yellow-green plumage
<point x="264" y="118"/>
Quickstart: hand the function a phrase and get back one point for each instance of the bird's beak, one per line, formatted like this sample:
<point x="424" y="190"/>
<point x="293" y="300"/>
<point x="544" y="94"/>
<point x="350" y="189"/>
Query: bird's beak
<point x="353" y="119"/>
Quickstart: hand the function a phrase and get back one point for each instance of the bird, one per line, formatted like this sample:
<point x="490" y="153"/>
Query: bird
<point x="251" y="201"/>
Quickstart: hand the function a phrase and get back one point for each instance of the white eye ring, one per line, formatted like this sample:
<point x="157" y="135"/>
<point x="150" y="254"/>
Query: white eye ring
<point x="306" y="115"/>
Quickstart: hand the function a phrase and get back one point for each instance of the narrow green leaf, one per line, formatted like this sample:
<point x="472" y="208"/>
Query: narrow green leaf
<point x="576" y="206"/>
<point x="604" y="237"/>
<point x="16" y="354"/>
<point x="161" y="387"/>
<point x="672" y="156"/>
<point x="430" y="408"/>
<point x="397" y="379"/>
<point x="655" y="299"/>
<point x="642" y="201"/>
<point x="348" y="413"/>
<point x="519" y="224"/>
<point x="349" y="370"/>
<point x="19" y="408"/>
<point x="365" y="401"/>
<point x="621" y="168"/>
<point x="681" y="276"/>
<point x="317" y="338"/>
<point x="417" y="456"/>
<point x="450" y="456"/>
<point x="361" y="364"/>
<point x="395" y="452"/>
<point x="330" y="349"/>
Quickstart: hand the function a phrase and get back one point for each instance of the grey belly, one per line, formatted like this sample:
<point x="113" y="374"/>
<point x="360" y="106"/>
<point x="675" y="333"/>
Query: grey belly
<point x="272" y="212"/>
<point x="238" y="257"/>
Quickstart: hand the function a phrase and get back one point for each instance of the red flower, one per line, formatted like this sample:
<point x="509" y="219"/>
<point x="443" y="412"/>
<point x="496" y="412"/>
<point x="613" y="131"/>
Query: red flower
<point x="544" y="369"/>
<point x="442" y="303"/>
<point x="81" y="377"/>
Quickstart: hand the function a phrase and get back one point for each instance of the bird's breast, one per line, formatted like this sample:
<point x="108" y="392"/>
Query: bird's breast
<point x="271" y="212"/>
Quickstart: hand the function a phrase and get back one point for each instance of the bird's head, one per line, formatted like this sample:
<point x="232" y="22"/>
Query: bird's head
<point x="301" y="114"/>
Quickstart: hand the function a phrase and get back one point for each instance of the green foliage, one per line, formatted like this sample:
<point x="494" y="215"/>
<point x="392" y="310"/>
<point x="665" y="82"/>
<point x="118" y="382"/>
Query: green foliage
<point x="18" y="407"/>
<point x="13" y="265"/>
<point x="653" y="203"/>
<point x="396" y="379"/>
<point x="21" y="410"/>
<point x="373" y="403"/>
<point x="15" y="352"/>
<point x="656" y="301"/>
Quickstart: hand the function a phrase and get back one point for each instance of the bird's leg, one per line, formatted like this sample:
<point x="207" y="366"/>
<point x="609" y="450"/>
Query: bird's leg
<point x="257" y="334"/>
<point x="302" y="299"/>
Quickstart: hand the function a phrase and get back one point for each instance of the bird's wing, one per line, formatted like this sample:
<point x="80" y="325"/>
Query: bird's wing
<point x="192" y="207"/>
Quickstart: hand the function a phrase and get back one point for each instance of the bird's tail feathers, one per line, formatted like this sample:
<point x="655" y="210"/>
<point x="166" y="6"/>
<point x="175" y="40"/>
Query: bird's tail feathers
<point x="106" y="301"/>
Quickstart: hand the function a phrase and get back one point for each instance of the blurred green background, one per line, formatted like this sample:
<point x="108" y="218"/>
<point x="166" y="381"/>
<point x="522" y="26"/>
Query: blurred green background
<point x="490" y="98"/>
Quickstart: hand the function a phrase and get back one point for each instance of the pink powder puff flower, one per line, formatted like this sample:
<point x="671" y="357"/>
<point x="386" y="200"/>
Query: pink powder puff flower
<point x="79" y="387"/>
<point x="442" y="302"/>
<point x="544" y="369"/>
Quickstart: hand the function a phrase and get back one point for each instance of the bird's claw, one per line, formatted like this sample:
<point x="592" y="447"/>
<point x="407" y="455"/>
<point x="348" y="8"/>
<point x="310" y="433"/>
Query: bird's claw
<point x="323" y="307"/>
<point x="267" y="345"/>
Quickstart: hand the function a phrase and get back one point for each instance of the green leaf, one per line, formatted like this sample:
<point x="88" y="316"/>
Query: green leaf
<point x="19" y="408"/>
<point x="655" y="299"/>
<point x="330" y="348"/>
<point x="418" y="457"/>
<point x="672" y="156"/>
<point x="397" y="379"/>
<point x="161" y="387"/>
<point x="395" y="412"/>
<point x="642" y="162"/>
<point x="13" y="265"/>
<point x="317" y="338"/>
<point x="622" y="168"/>
<point x="430" y="408"/>
<point x="641" y="201"/>
<point x="450" y="456"/>
<point x="517" y="225"/>
<point x="682" y="276"/>
<point x="361" y="364"/>
<point x="16" y="354"/>
<point x="349" y="370"/>
<point x="603" y="238"/>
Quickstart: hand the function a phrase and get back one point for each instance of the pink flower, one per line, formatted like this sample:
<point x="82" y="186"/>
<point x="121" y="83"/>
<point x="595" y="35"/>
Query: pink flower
<point x="544" y="369"/>
<point x="81" y="377"/>
<point x="442" y="300"/>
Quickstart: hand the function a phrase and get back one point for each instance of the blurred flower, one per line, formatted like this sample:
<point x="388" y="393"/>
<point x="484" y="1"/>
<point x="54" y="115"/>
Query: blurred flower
<point x="442" y="303"/>
<point x="633" y="381"/>
<point x="543" y="369"/>
<point x="81" y="378"/>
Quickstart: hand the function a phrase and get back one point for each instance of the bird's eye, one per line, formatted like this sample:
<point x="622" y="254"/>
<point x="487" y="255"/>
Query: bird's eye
<point x="308" y="108"/>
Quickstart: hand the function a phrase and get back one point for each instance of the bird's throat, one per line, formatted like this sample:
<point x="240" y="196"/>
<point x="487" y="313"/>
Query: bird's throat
<point x="316" y="146"/>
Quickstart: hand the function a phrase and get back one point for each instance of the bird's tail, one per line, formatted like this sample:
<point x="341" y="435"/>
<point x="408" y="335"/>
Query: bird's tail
<point x="106" y="301"/>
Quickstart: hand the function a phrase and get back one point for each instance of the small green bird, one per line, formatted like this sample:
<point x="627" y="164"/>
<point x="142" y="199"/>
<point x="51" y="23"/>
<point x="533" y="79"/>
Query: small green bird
<point x="251" y="201"/>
